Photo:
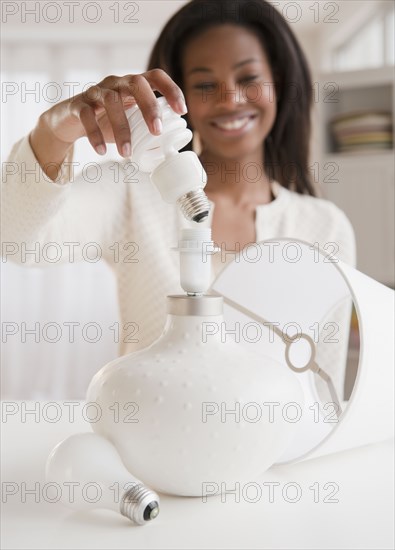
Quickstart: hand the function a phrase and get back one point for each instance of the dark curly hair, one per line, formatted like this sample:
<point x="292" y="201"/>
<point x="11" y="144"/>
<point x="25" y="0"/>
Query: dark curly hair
<point x="286" y="149"/>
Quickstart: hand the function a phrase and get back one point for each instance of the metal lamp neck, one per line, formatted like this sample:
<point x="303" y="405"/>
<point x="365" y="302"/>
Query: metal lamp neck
<point x="202" y="306"/>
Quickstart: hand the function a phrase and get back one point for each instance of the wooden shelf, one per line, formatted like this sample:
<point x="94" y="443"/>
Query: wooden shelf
<point x="364" y="186"/>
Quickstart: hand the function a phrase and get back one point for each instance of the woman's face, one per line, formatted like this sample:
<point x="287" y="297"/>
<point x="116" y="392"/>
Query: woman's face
<point x="229" y="89"/>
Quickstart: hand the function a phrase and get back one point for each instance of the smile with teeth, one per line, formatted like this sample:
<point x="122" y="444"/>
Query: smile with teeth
<point x="236" y="124"/>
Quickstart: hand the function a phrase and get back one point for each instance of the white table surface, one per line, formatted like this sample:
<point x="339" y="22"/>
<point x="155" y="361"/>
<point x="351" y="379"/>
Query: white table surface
<point x="362" y="518"/>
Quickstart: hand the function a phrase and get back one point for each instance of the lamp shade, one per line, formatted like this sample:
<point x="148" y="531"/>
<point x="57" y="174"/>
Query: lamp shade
<point x="293" y="301"/>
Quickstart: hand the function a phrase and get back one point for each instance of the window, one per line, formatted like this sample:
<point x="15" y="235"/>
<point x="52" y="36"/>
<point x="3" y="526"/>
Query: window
<point x="35" y="76"/>
<point x="370" y="47"/>
<point x="389" y="33"/>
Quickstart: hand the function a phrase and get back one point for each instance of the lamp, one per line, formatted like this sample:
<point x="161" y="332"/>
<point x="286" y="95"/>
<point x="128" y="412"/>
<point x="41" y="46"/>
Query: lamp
<point x="202" y="405"/>
<point x="218" y="403"/>
<point x="209" y="401"/>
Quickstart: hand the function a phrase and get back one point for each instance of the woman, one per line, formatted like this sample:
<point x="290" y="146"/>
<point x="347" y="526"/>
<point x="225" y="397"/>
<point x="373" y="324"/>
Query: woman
<point x="248" y="94"/>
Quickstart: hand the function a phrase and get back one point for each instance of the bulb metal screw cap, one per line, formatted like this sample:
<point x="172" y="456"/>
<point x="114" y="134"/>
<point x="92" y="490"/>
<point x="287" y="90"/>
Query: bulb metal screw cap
<point x="139" y="504"/>
<point x="194" y="205"/>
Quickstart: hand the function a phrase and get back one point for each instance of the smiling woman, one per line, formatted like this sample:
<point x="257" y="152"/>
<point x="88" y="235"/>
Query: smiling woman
<point x="248" y="106"/>
<point x="258" y="70"/>
<point x="248" y="95"/>
<point x="232" y="106"/>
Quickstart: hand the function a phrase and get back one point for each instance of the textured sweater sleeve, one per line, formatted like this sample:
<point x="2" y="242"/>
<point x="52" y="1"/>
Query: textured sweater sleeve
<point x="46" y="222"/>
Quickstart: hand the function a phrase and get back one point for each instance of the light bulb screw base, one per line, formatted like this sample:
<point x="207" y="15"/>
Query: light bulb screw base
<point x="139" y="504"/>
<point x="194" y="205"/>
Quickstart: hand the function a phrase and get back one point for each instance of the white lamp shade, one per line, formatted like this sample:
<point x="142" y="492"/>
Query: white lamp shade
<point x="297" y="286"/>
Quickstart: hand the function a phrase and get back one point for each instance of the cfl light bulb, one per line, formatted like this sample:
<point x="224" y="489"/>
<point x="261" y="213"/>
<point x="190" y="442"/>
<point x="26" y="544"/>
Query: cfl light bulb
<point x="179" y="177"/>
<point x="88" y="463"/>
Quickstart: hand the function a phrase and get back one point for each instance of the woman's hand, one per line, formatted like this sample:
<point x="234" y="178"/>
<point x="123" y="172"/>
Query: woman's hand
<point x="99" y="114"/>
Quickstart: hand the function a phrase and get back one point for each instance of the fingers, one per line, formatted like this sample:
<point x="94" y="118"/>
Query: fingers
<point x="87" y="117"/>
<point x="115" y="94"/>
<point x="147" y="101"/>
<point x="120" y="125"/>
<point x="143" y="87"/>
<point x="97" y="100"/>
<point x="161" y="81"/>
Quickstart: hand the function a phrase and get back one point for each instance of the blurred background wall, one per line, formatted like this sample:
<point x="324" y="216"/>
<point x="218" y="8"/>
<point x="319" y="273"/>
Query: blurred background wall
<point x="51" y="50"/>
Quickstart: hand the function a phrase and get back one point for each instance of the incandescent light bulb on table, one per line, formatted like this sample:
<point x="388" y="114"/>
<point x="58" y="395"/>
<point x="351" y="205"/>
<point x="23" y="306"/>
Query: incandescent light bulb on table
<point x="88" y="461"/>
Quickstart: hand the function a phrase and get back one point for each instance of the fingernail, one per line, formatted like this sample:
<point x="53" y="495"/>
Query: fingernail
<point x="101" y="149"/>
<point x="157" y="126"/>
<point x="181" y="107"/>
<point x="126" y="150"/>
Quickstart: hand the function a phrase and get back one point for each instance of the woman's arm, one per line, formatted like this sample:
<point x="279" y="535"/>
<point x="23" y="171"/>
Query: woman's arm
<point x="41" y="200"/>
<point x="41" y="217"/>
